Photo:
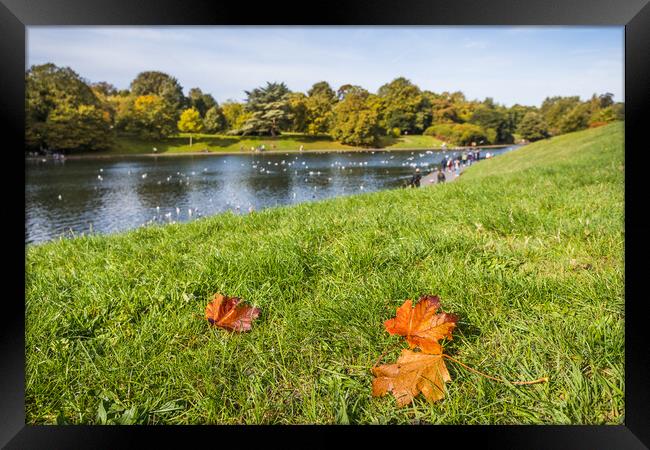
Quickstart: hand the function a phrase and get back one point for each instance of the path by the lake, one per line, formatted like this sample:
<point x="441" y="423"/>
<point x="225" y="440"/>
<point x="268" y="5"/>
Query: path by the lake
<point x="432" y="178"/>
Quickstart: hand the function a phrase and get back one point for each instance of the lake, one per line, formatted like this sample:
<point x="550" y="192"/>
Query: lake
<point x="73" y="197"/>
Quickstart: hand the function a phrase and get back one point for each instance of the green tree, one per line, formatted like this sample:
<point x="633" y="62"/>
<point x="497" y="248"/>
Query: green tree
<point x="298" y="112"/>
<point x="555" y="109"/>
<point x="533" y="127"/>
<point x="489" y="116"/>
<point x="201" y="102"/>
<point x="403" y="101"/>
<point x="162" y="85"/>
<point x="62" y="112"/>
<point x="576" y="119"/>
<point x="214" y="120"/>
<point x="320" y="101"/>
<point x="269" y="108"/>
<point x="190" y="122"/>
<point x="356" y="121"/>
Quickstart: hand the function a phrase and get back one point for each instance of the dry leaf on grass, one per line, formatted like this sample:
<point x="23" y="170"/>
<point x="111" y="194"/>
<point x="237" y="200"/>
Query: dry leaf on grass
<point x="413" y="373"/>
<point x="228" y="313"/>
<point x="421" y="326"/>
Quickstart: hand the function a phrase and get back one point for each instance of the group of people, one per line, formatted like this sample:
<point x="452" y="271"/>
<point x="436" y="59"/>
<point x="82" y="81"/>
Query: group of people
<point x="449" y="164"/>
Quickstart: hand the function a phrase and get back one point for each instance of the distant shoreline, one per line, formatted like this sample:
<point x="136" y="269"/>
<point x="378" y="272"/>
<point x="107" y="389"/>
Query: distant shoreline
<point x="265" y="152"/>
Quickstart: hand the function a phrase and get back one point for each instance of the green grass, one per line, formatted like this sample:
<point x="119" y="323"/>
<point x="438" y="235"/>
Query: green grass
<point x="125" y="145"/>
<point x="526" y="248"/>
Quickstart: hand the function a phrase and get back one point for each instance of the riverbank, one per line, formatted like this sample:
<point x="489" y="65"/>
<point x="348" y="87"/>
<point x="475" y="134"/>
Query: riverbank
<point x="516" y="247"/>
<point x="204" y="144"/>
<point x="255" y="153"/>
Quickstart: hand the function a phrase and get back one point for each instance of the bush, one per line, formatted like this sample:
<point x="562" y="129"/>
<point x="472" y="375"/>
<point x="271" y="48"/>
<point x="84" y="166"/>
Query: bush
<point x="460" y="133"/>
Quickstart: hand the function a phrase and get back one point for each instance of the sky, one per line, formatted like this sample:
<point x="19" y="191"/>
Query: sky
<point x="510" y="64"/>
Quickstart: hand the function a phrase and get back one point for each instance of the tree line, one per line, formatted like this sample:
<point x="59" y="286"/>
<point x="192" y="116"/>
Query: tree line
<point x="64" y="112"/>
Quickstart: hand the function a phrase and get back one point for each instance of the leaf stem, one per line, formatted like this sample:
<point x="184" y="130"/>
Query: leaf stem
<point x="539" y="380"/>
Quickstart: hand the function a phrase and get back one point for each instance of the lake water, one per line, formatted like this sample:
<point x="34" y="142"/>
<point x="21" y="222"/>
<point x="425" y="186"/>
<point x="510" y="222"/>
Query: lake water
<point x="71" y="197"/>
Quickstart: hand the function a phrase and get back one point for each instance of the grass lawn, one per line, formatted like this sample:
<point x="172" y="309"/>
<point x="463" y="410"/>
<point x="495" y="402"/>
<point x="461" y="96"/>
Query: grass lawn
<point x="526" y="248"/>
<point x="125" y="145"/>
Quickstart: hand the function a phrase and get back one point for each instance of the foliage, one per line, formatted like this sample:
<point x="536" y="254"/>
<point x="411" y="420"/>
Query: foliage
<point x="190" y="121"/>
<point x="269" y="108"/>
<point x="532" y="127"/>
<point x="215" y="120"/>
<point x="150" y="116"/>
<point x="356" y="120"/>
<point x="162" y="85"/>
<point x="460" y="133"/>
<point x="62" y="111"/>
<point x="320" y="102"/>
<point x="404" y="106"/>
<point x="200" y="101"/>
<point x="298" y="112"/>
<point x="491" y="117"/>
<point x="576" y="119"/>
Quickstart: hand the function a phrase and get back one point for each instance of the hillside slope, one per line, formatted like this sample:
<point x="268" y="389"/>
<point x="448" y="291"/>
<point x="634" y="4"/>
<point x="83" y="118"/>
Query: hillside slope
<point x="527" y="249"/>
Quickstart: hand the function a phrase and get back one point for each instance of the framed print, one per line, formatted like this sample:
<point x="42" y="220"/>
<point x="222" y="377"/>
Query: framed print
<point x="421" y="218"/>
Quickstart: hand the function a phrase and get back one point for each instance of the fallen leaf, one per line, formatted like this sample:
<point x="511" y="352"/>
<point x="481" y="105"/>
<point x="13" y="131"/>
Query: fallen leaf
<point x="228" y="313"/>
<point x="421" y="326"/>
<point x="413" y="373"/>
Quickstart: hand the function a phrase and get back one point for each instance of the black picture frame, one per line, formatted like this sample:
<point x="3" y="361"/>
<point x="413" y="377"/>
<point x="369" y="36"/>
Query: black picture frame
<point x="16" y="15"/>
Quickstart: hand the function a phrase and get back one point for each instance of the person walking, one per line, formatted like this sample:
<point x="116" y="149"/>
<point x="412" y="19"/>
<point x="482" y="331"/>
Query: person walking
<point x="464" y="159"/>
<point x="441" y="176"/>
<point x="417" y="176"/>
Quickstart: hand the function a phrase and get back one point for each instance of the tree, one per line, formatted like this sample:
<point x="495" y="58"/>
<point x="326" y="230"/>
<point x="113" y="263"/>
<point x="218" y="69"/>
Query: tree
<point x="162" y="85"/>
<point x="533" y="127"/>
<point x="201" y="102"/>
<point x="491" y="117"/>
<point x="554" y="110"/>
<point x="356" y="121"/>
<point x="576" y="119"/>
<point x="190" y="122"/>
<point x="150" y="117"/>
<point x="403" y="101"/>
<point x="235" y="115"/>
<point x="298" y="111"/>
<point x="214" y="120"/>
<point x="63" y="112"/>
<point x="269" y="108"/>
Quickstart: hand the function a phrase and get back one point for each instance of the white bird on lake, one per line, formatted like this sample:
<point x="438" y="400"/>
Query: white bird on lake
<point x="101" y="170"/>
<point x="178" y="211"/>
<point x="189" y="211"/>
<point x="144" y="175"/>
<point x="99" y="177"/>
<point x="60" y="197"/>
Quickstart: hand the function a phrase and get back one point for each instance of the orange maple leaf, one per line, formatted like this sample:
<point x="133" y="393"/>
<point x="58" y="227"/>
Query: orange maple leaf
<point x="413" y="373"/>
<point x="226" y="312"/>
<point x="421" y="326"/>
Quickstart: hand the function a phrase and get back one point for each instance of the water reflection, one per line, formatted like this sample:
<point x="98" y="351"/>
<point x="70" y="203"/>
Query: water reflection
<point x="115" y="195"/>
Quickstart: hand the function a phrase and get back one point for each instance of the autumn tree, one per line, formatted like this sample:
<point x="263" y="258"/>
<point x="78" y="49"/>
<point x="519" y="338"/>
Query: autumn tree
<point x="190" y="122"/>
<point x="234" y="114"/>
<point x="150" y="116"/>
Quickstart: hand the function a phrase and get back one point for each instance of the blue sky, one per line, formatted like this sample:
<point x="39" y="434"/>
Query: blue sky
<point x="510" y="64"/>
